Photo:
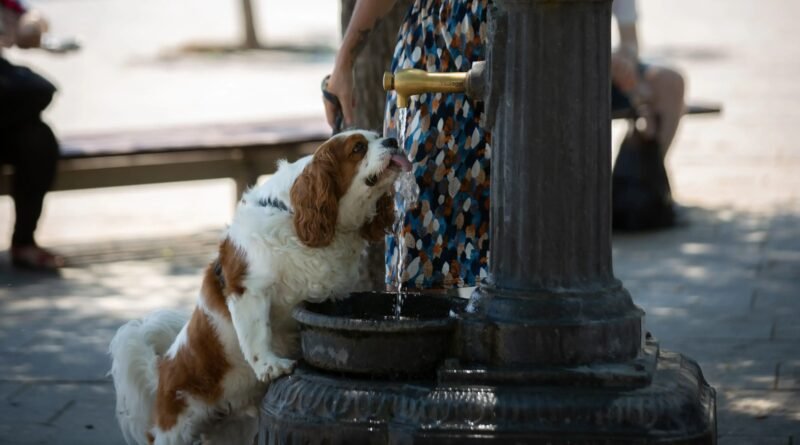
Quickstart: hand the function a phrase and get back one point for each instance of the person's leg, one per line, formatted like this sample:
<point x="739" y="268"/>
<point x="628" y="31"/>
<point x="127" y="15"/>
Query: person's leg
<point x="668" y="88"/>
<point x="35" y="158"/>
<point x="32" y="149"/>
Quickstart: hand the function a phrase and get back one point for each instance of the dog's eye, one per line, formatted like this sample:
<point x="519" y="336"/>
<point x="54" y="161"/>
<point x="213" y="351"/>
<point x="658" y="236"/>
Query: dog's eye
<point x="360" y="147"/>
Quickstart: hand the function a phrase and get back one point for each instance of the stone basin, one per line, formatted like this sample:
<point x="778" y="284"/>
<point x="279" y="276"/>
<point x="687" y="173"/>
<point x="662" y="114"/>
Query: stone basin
<point x="363" y="334"/>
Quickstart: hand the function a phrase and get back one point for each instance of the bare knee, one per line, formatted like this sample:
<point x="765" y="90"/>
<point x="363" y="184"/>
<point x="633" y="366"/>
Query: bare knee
<point x="667" y="84"/>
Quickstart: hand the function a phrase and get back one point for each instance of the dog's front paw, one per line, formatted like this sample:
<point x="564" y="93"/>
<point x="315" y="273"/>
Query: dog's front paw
<point x="270" y="368"/>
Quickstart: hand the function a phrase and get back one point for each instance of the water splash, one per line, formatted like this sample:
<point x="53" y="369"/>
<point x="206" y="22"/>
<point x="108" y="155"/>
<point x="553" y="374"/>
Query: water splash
<point x="407" y="193"/>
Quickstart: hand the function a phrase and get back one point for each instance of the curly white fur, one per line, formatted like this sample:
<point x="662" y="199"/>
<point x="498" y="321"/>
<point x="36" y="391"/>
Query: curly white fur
<point x="135" y="349"/>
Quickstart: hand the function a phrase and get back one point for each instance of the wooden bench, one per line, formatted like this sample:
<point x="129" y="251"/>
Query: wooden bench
<point x="242" y="152"/>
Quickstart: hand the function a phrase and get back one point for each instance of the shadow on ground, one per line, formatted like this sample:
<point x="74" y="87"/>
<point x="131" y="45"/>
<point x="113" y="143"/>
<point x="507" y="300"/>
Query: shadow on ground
<point x="722" y="290"/>
<point x="57" y="327"/>
<point x="54" y="332"/>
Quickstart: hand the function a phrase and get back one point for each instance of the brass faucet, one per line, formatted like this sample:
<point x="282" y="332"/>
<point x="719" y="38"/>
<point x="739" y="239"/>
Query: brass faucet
<point x="412" y="81"/>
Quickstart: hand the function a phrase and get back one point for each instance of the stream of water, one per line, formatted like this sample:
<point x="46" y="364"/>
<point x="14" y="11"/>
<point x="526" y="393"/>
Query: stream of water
<point x="407" y="192"/>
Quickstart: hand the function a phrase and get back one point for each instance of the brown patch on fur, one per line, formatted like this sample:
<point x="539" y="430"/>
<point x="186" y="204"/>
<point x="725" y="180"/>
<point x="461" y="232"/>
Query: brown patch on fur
<point x="316" y="192"/>
<point x="234" y="267"/>
<point x="212" y="295"/>
<point x="196" y="370"/>
<point x="150" y="438"/>
<point x="375" y="230"/>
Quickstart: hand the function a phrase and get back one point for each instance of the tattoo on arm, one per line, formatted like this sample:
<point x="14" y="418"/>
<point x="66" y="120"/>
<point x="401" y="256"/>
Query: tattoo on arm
<point x="363" y="37"/>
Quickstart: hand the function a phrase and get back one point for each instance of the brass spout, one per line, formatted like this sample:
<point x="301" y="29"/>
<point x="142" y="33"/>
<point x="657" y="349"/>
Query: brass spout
<point x="412" y="81"/>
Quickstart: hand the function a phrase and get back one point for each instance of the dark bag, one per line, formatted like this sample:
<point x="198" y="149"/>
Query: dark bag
<point x="641" y="197"/>
<point x="23" y="93"/>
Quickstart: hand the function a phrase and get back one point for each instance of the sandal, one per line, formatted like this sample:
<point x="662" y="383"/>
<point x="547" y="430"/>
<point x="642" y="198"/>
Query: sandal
<point x="330" y="97"/>
<point x="33" y="257"/>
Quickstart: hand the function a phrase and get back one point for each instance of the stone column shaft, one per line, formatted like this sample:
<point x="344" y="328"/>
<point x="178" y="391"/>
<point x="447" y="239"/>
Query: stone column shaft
<point x="551" y="154"/>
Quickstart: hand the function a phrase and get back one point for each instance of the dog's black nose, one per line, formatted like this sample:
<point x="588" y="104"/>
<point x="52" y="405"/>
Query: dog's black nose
<point x="390" y="143"/>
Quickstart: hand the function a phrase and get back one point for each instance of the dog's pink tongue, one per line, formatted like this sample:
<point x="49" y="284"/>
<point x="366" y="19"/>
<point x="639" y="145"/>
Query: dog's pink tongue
<point x="402" y="162"/>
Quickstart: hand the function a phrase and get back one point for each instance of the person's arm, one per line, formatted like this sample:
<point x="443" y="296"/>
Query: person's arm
<point x="366" y="16"/>
<point x="627" y="15"/>
<point x="24" y="27"/>
<point x="32" y="26"/>
<point x="625" y="59"/>
<point x="8" y="25"/>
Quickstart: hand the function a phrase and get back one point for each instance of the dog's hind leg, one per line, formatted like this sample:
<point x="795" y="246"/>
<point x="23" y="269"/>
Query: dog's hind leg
<point x="250" y="316"/>
<point x="184" y="432"/>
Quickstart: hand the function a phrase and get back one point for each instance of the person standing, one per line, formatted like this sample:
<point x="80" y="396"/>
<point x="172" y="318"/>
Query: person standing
<point x="445" y="235"/>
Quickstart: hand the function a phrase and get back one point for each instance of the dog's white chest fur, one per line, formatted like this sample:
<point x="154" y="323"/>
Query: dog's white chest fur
<point x="281" y="266"/>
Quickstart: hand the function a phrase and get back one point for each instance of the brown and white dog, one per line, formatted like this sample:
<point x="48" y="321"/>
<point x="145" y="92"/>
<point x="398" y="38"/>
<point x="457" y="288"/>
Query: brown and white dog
<point x="297" y="237"/>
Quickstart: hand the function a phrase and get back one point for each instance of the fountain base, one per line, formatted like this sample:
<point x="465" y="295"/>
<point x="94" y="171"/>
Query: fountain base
<point x="674" y="405"/>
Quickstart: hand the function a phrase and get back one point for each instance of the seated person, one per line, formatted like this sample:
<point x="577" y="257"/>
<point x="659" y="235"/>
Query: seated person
<point x="26" y="142"/>
<point x="642" y="198"/>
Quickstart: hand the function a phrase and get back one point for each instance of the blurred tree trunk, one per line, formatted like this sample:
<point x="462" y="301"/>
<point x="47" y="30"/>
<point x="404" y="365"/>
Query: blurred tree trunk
<point x="375" y="58"/>
<point x="250" y="32"/>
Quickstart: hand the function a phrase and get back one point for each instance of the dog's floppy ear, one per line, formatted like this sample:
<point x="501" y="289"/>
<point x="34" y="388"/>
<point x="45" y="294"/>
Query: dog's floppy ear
<point x="375" y="229"/>
<point x="315" y="199"/>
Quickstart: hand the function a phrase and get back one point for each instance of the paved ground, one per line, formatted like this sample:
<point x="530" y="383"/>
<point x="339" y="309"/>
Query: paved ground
<point x="723" y="290"/>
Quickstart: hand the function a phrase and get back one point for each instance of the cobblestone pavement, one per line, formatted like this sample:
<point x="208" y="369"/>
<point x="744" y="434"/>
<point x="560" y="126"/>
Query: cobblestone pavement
<point x="723" y="290"/>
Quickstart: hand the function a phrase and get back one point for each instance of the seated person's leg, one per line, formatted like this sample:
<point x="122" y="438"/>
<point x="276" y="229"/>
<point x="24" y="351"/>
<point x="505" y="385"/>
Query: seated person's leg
<point x="33" y="152"/>
<point x="668" y="88"/>
<point x="641" y="192"/>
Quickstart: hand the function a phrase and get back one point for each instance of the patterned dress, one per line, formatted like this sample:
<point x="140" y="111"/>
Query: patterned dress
<point x="446" y="233"/>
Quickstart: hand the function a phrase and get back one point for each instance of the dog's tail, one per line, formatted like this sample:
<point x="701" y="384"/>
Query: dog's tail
<point x="135" y="350"/>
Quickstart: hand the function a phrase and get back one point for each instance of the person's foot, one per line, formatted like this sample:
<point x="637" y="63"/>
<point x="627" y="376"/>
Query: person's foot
<point x="681" y="216"/>
<point x="33" y="257"/>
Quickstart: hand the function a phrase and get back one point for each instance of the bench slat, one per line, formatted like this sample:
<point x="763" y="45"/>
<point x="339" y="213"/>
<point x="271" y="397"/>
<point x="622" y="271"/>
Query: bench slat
<point x="196" y="137"/>
<point x="240" y="151"/>
<point x="690" y="109"/>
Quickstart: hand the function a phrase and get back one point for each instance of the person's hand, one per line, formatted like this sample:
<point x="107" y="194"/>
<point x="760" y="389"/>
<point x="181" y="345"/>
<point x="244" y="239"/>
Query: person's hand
<point x="624" y="72"/>
<point x="30" y="28"/>
<point x="625" y="75"/>
<point x="340" y="84"/>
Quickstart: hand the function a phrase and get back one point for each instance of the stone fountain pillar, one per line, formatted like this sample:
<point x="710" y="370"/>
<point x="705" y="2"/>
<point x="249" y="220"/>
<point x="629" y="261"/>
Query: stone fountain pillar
<point x="551" y="297"/>
<point x="550" y="349"/>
